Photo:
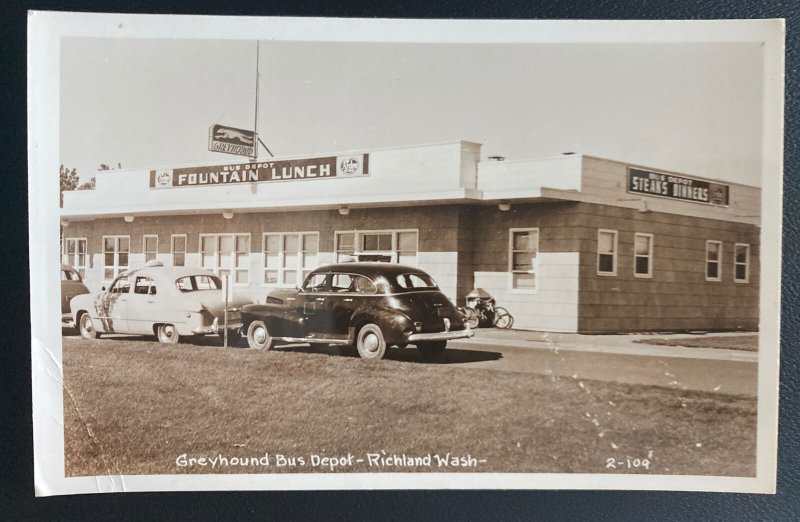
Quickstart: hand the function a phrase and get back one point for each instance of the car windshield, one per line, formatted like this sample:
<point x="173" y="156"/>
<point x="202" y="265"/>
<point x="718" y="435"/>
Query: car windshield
<point x="415" y="280"/>
<point x="194" y="283"/>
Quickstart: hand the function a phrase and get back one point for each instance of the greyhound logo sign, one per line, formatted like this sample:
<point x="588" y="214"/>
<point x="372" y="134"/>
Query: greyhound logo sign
<point x="231" y="140"/>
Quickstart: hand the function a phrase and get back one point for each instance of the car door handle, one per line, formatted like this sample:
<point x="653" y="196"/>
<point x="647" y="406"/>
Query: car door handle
<point x="320" y="298"/>
<point x="348" y="300"/>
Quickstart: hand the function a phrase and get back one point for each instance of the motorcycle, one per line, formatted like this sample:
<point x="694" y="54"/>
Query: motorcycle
<point x="481" y="310"/>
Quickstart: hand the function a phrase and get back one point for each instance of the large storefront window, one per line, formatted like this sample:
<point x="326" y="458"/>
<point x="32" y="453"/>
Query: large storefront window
<point x="115" y="255"/>
<point x="75" y="254"/>
<point x="741" y="262"/>
<point x="523" y="250"/>
<point x="226" y="254"/>
<point x="290" y="257"/>
<point x="607" y="252"/>
<point x="389" y="246"/>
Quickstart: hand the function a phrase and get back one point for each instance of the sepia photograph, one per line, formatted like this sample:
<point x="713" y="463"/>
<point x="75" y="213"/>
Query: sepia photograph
<point x="357" y="254"/>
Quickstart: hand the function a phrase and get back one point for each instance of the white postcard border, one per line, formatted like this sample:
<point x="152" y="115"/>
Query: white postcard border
<point x="45" y="30"/>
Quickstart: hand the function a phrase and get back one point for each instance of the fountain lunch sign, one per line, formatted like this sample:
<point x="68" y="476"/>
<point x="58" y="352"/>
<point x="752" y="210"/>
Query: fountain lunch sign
<point x="329" y="167"/>
<point x="677" y="187"/>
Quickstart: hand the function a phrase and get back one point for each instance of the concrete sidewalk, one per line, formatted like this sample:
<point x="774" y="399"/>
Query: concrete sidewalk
<point x="625" y="344"/>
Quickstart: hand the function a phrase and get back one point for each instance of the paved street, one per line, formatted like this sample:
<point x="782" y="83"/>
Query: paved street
<point x="614" y="358"/>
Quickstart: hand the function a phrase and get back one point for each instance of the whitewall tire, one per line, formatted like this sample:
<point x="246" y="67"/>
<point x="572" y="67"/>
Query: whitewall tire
<point x="370" y="342"/>
<point x="258" y="336"/>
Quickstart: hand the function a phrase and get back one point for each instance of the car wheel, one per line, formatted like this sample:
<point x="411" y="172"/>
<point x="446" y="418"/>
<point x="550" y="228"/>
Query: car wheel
<point x="502" y="319"/>
<point x="472" y="317"/>
<point x="258" y="336"/>
<point x="431" y="349"/>
<point x="370" y="342"/>
<point x="167" y="334"/>
<point x="86" y="327"/>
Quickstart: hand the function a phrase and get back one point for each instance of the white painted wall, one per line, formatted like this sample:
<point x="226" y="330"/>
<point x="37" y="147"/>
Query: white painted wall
<point x="553" y="306"/>
<point x="401" y="175"/>
<point x="511" y="179"/>
<point x="442" y="266"/>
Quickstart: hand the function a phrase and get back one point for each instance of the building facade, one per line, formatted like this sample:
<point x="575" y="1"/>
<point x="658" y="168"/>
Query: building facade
<point x="571" y="243"/>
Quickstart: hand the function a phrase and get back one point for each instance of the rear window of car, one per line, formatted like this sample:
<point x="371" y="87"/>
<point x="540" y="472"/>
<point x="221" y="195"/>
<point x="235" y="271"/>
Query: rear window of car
<point x="69" y="275"/>
<point x="415" y="280"/>
<point x="195" y="283"/>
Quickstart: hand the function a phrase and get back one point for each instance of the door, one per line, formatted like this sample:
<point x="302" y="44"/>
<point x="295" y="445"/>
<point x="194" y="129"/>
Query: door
<point x="112" y="307"/>
<point x="312" y="304"/>
<point x="348" y="291"/>
<point x="142" y="306"/>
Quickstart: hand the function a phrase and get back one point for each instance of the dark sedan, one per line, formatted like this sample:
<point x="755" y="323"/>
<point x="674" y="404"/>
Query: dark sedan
<point x="369" y="305"/>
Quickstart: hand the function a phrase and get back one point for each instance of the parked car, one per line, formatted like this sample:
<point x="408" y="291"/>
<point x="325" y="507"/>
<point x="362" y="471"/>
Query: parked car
<point x="71" y="285"/>
<point x="369" y="305"/>
<point x="169" y="302"/>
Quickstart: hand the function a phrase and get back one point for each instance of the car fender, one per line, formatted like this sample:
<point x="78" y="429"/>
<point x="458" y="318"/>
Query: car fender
<point x="277" y="317"/>
<point x="392" y="322"/>
<point x="82" y="302"/>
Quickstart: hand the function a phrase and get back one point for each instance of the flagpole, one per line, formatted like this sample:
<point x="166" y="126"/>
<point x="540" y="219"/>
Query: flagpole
<point x="255" y="126"/>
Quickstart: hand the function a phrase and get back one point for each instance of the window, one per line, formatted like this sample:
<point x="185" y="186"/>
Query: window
<point x="290" y="257"/>
<point x="315" y="283"/>
<point x="410" y="281"/>
<point x="226" y="254"/>
<point x="389" y="246"/>
<point x="607" y="252"/>
<point x="178" y="249"/>
<point x="198" y="282"/>
<point x="741" y="262"/>
<point x="69" y="275"/>
<point x="115" y="255"/>
<point x="643" y="255"/>
<point x="121" y="286"/>
<point x="150" y="247"/>
<point x="75" y="254"/>
<point x="145" y="286"/>
<point x="523" y="252"/>
<point x="713" y="260"/>
<point x="363" y="285"/>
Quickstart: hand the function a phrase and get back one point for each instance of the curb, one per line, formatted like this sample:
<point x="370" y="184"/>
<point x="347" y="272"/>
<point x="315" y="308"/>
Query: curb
<point x="624" y="348"/>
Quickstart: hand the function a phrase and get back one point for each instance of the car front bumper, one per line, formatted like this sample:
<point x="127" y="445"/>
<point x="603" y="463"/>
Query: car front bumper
<point x="441" y="336"/>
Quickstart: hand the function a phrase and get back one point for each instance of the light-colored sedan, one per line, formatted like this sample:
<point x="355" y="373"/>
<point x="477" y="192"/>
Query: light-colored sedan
<point x="168" y="302"/>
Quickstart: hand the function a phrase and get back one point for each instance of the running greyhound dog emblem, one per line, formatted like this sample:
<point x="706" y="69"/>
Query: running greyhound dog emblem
<point x="233" y="135"/>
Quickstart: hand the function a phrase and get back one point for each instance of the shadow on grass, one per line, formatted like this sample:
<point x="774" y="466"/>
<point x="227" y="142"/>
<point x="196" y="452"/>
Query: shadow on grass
<point x="408" y="354"/>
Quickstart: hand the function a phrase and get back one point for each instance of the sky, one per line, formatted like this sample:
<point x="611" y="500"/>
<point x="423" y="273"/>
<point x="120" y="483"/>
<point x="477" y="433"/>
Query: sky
<point x="690" y="108"/>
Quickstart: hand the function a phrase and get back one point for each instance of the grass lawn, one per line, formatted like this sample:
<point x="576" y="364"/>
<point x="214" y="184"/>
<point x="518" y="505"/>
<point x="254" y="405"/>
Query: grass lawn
<point x="132" y="406"/>
<point x="747" y="343"/>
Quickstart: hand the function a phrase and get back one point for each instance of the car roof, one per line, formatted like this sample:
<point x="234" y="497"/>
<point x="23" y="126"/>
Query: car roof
<point x="169" y="272"/>
<point x="371" y="269"/>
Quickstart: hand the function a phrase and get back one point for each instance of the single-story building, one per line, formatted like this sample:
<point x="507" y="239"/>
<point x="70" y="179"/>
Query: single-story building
<point x="571" y="243"/>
